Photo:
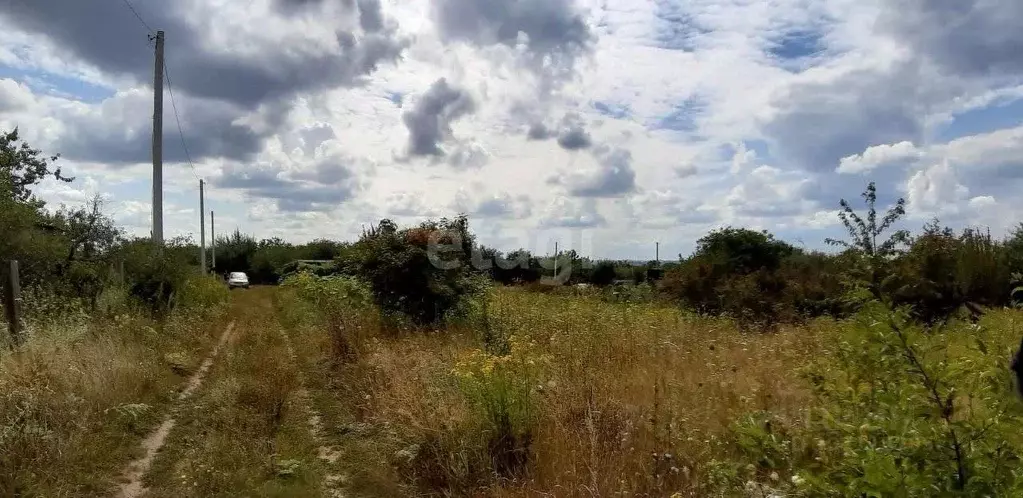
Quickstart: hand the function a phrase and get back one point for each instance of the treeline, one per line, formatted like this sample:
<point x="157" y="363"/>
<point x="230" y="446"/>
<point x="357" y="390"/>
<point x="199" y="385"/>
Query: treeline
<point x="746" y="274"/>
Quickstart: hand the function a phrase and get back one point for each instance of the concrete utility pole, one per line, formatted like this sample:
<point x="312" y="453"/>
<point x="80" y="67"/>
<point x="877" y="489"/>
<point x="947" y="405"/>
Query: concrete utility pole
<point x="158" y="142"/>
<point x="213" y="240"/>
<point x="202" y="226"/>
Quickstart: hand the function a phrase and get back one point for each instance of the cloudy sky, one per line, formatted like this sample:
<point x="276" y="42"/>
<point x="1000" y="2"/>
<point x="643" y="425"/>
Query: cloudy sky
<point x="605" y="124"/>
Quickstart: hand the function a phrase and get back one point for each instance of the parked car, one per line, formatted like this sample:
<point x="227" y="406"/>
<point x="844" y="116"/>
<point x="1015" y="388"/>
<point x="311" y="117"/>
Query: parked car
<point x="237" y="279"/>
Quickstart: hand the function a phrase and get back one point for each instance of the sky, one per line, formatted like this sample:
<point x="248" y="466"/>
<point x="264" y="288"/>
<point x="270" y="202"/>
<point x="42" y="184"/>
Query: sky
<point x="604" y="125"/>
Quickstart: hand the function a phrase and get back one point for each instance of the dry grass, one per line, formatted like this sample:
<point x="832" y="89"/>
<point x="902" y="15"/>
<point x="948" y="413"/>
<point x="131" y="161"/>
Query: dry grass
<point x="246" y="431"/>
<point x="78" y="397"/>
<point x="630" y="399"/>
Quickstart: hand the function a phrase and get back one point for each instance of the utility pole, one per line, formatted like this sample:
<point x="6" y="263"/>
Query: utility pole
<point x="202" y="226"/>
<point x="657" y="253"/>
<point x="158" y="142"/>
<point x="213" y="240"/>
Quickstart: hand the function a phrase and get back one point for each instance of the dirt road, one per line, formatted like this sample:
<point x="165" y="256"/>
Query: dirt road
<point x="243" y="424"/>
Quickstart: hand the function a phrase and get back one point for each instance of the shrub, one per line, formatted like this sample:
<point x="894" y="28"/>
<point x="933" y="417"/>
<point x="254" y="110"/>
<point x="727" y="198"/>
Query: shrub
<point x="893" y="417"/>
<point x="734" y="271"/>
<point x="346" y="306"/>
<point x="155" y="274"/>
<point x="603" y="274"/>
<point x="421" y="273"/>
<point x="202" y="292"/>
<point x="943" y="272"/>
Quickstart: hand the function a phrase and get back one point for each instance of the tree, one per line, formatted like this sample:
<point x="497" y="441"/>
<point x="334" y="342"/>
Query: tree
<point x="24" y="166"/>
<point x="743" y="251"/>
<point x="423" y="272"/>
<point x="603" y="274"/>
<point x="864" y="235"/>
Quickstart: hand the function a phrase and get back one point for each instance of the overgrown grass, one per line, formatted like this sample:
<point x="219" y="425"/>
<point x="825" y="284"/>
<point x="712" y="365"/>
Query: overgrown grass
<point x="246" y="432"/>
<point x="554" y="394"/>
<point x="76" y="399"/>
<point x="565" y="395"/>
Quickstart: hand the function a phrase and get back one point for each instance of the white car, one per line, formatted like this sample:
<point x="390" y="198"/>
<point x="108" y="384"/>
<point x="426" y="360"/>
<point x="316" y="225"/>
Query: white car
<point x="237" y="279"/>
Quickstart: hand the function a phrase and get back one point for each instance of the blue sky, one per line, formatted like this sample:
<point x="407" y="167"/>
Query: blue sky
<point x="605" y="125"/>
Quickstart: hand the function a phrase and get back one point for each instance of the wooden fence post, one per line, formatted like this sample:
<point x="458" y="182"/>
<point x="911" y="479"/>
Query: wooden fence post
<point x="12" y="303"/>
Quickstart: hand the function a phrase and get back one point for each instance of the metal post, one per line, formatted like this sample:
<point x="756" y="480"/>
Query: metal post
<point x="12" y="304"/>
<point x="158" y="142"/>
<point x="202" y="226"/>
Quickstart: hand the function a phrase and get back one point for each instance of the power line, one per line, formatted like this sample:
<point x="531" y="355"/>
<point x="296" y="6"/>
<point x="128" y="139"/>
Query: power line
<point x="133" y="11"/>
<point x="177" y="120"/>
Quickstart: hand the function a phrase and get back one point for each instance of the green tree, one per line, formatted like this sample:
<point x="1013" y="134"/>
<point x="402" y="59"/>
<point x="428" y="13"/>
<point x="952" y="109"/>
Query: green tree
<point x="875" y="257"/>
<point x="24" y="166"/>
<point x="422" y="272"/>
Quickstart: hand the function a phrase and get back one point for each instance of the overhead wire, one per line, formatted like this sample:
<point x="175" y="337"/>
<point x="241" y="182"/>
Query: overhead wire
<point x="177" y="120"/>
<point x="139" y="17"/>
<point x="170" y="90"/>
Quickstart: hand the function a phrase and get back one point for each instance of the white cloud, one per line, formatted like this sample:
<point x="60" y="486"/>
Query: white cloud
<point x="935" y="190"/>
<point x="878" y="155"/>
<point x="696" y="114"/>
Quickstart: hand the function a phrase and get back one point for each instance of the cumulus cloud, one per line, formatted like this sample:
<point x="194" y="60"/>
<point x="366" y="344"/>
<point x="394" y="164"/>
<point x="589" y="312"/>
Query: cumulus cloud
<point x="613" y="175"/>
<point x="554" y="30"/>
<point x="408" y="204"/>
<point x="256" y="58"/>
<point x="572" y="213"/>
<point x="770" y="192"/>
<point x="879" y="155"/>
<point x="967" y="37"/>
<point x="686" y="170"/>
<point x="429" y="121"/>
<point x="469" y="156"/>
<point x="820" y="122"/>
<point x="324" y="187"/>
<point x="119" y="131"/>
<point x="935" y="190"/>
<point x="539" y="131"/>
<point x="665" y="208"/>
<point x="574" y="138"/>
<point x="275" y="61"/>
<point x="501" y="205"/>
<point x="573" y="134"/>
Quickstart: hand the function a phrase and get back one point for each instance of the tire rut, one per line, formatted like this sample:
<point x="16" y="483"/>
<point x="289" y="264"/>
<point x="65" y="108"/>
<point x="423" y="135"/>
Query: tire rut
<point x="136" y="471"/>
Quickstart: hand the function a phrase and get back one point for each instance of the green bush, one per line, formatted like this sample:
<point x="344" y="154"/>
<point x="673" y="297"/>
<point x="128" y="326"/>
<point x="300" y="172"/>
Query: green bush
<point x="422" y="273"/>
<point x="202" y="292"/>
<point x="734" y="271"/>
<point x="155" y="274"/>
<point x="942" y="272"/>
<point x="343" y="304"/>
<point x="894" y="416"/>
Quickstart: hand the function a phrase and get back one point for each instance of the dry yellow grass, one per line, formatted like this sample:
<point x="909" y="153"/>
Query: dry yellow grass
<point x="626" y="399"/>
<point x="78" y="397"/>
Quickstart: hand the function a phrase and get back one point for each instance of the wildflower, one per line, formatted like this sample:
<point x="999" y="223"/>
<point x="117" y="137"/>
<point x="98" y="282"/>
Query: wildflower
<point x="774" y="476"/>
<point x="798" y="480"/>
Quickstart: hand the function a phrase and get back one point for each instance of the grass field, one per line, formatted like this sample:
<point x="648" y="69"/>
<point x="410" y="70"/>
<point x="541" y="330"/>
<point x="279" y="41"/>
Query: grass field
<point x="572" y="396"/>
<point x="531" y="394"/>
